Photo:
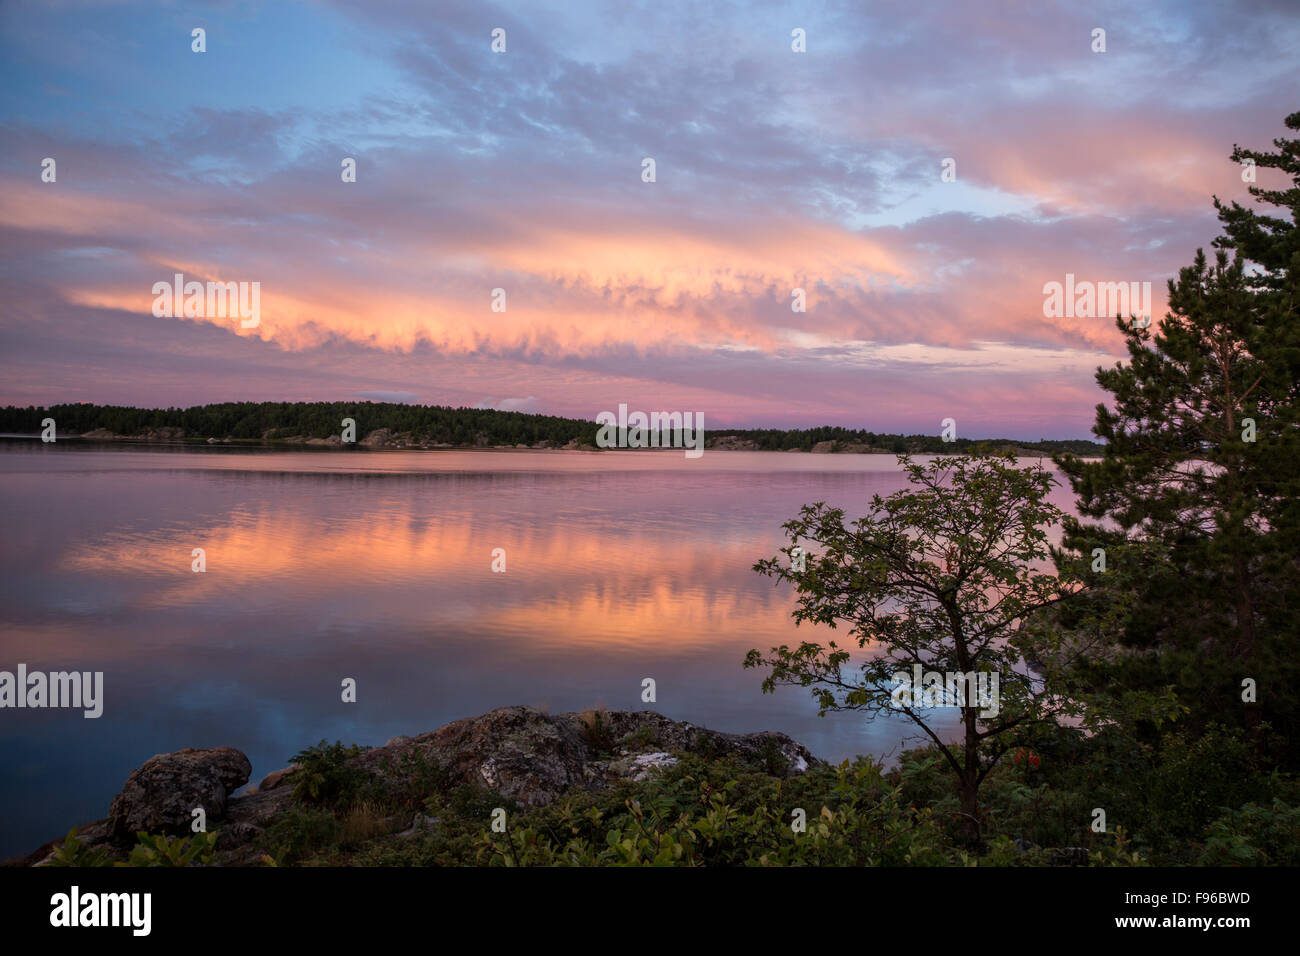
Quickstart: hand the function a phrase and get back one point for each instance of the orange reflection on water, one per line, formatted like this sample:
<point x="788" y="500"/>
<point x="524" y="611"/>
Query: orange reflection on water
<point x="569" y="582"/>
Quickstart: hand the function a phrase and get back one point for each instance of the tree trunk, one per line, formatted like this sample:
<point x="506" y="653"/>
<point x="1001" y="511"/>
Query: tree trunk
<point x="1245" y="610"/>
<point x="970" y="807"/>
<point x="970" y="812"/>
<point x="1246" y="646"/>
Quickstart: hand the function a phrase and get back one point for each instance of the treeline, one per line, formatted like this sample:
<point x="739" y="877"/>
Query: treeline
<point x="775" y="439"/>
<point x="270" y="421"/>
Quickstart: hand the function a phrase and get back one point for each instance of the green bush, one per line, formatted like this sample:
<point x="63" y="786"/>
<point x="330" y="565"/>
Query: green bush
<point x="596" y="731"/>
<point x="641" y="738"/>
<point x="409" y="781"/>
<point x="1196" y="778"/>
<point x="299" y="834"/>
<point x="324" y="778"/>
<point x="162" y="850"/>
<point x="72" y="852"/>
<point x="852" y="818"/>
<point x="1254" y="835"/>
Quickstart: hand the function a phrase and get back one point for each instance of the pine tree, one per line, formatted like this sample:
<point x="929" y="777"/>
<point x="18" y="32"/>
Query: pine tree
<point x="1196" y="494"/>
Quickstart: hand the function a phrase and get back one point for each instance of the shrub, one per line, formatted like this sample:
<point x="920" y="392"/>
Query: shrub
<point x="72" y="852"/>
<point x="300" y="833"/>
<point x="474" y="802"/>
<point x="161" y="850"/>
<point x="409" y="781"/>
<point x="595" y="728"/>
<point x="324" y="777"/>
<point x="644" y="736"/>
<point x="1254" y="835"/>
<point x="860" y="823"/>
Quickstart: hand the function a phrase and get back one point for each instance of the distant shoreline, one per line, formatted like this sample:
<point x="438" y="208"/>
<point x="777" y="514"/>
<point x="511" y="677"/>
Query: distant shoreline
<point x="325" y="445"/>
<point x="393" y="425"/>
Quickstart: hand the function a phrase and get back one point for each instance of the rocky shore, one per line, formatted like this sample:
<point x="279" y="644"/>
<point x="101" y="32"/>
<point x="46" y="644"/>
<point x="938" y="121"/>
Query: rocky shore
<point x="523" y="754"/>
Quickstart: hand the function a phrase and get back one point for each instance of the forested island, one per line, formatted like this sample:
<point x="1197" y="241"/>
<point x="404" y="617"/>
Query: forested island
<point x="390" y="424"/>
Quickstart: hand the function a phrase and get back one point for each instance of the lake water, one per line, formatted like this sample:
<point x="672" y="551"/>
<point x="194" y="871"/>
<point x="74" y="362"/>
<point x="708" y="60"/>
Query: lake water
<point x="377" y="565"/>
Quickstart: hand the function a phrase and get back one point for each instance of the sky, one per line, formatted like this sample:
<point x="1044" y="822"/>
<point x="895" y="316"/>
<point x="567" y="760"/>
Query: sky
<point x="523" y="171"/>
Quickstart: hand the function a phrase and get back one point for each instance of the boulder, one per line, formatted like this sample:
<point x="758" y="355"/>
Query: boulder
<point x="518" y="751"/>
<point x="164" y="433"/>
<point x="533" y="757"/>
<point x="275" y="778"/>
<point x="161" y="795"/>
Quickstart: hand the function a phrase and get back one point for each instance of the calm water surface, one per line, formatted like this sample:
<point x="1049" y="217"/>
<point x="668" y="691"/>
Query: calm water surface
<point x="376" y="565"/>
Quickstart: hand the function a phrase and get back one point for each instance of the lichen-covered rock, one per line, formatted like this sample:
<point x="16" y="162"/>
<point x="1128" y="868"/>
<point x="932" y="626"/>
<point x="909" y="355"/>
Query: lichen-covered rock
<point x="161" y="795"/>
<point x="642" y="766"/>
<point x="520" y="752"/>
<point x="533" y="757"/>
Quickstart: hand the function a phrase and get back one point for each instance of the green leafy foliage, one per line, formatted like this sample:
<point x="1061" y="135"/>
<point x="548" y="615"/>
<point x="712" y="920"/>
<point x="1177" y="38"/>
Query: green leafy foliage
<point x="300" y="833"/>
<point x="407" y="781"/>
<point x="717" y="814"/>
<point x="1255" y="835"/>
<point x="161" y="850"/>
<point x="324" y="776"/>
<point x="72" y="852"/>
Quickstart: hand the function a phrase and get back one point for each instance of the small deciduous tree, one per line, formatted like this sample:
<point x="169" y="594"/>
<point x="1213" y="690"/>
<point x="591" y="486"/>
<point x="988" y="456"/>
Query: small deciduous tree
<point x="948" y="575"/>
